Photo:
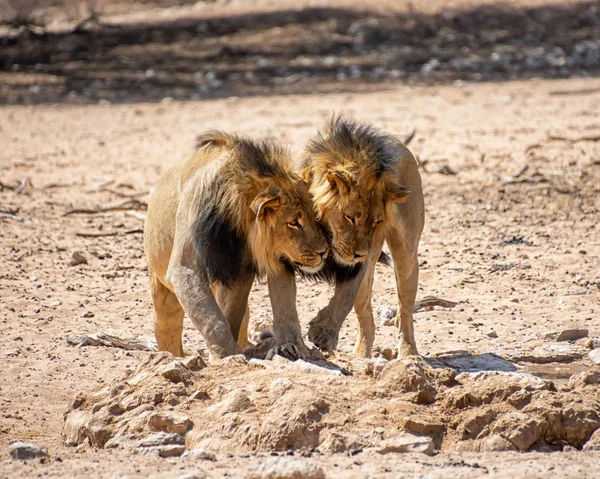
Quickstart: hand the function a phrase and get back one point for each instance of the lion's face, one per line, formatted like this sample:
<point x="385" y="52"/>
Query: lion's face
<point x="353" y="226"/>
<point x="355" y="214"/>
<point x="288" y="229"/>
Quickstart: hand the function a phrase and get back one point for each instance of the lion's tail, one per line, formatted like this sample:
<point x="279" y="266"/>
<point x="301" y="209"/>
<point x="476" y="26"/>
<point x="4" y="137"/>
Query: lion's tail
<point x="216" y="138"/>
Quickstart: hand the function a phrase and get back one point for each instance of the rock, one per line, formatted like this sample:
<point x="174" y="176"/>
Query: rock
<point x="194" y="363"/>
<point x="593" y="443"/>
<point x="424" y="425"/>
<point x="194" y="475"/>
<point x="162" y="439"/>
<point x="414" y="376"/>
<point x="26" y="450"/>
<point x="334" y="442"/>
<point x="584" y="379"/>
<point x="77" y="258"/>
<point x="164" y="451"/>
<point x="75" y="429"/>
<point x="375" y="366"/>
<point x="279" y="387"/>
<point x="520" y="429"/>
<point x="98" y="432"/>
<point x="550" y="353"/>
<point x="286" y="468"/>
<point x="407" y="443"/>
<point x="236" y="401"/>
<point x="200" y="396"/>
<point x="594" y="355"/>
<point x="235" y="359"/>
<point x="174" y="372"/>
<point x="199" y="454"/>
<point x="169" y="421"/>
<point x="473" y="363"/>
<point x="293" y="422"/>
<point x="495" y="443"/>
<point x="386" y="316"/>
<point x="492" y="334"/>
<point x="566" y="335"/>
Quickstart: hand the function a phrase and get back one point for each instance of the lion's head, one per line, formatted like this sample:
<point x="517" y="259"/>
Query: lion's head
<point x="285" y="229"/>
<point x="350" y="168"/>
<point x="263" y="215"/>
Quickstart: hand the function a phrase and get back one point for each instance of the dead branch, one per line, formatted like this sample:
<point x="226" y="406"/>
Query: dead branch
<point x="428" y="302"/>
<point x="521" y="170"/>
<point x="8" y="216"/>
<point x="96" y="234"/>
<point x="128" y="204"/>
<point x="422" y="164"/>
<point x="532" y="147"/>
<point x="133" y="231"/>
<point x="125" y="195"/>
<point x="574" y="139"/>
<point x="582" y="91"/>
<point x="25" y="183"/>
<point x="56" y="185"/>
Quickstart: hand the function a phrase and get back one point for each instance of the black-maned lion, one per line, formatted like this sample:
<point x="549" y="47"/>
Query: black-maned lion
<point x="235" y="209"/>
<point x="366" y="188"/>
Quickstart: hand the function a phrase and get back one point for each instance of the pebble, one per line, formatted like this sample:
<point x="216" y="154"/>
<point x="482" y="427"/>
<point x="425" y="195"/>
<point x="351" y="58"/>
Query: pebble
<point x="26" y="450"/>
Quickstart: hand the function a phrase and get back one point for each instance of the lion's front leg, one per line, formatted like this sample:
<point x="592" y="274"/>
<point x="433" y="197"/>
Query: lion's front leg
<point x="286" y="327"/>
<point x="324" y="329"/>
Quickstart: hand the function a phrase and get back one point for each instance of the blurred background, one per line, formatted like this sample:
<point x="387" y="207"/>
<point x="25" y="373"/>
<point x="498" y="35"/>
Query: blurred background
<point x="90" y="51"/>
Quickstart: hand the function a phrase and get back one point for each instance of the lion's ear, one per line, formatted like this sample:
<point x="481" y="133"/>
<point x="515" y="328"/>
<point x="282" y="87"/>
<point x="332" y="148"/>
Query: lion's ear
<point x="396" y="193"/>
<point x="266" y="203"/>
<point x="339" y="180"/>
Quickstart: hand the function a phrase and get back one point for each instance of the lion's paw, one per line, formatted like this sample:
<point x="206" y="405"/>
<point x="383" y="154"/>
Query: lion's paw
<point x="289" y="351"/>
<point x="323" y="337"/>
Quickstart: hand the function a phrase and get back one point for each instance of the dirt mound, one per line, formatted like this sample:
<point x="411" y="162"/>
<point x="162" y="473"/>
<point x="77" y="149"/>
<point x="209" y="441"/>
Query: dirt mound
<point x="164" y="406"/>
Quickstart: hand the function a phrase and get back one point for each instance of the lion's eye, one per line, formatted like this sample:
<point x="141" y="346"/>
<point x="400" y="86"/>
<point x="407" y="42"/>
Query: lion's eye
<point x="378" y="222"/>
<point x="350" y="218"/>
<point x="295" y="224"/>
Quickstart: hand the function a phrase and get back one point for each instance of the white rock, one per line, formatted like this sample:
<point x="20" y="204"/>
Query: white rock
<point x="286" y="468"/>
<point x="407" y="443"/>
<point x="199" y="454"/>
<point x="594" y="355"/>
<point x="25" y="450"/>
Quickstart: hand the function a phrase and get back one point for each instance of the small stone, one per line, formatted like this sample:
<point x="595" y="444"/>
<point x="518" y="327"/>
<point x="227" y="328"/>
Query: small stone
<point x="594" y="355"/>
<point x="200" y="396"/>
<point x="286" y="468"/>
<point x="407" y="443"/>
<point x="75" y="429"/>
<point x="492" y="334"/>
<point x="162" y="439"/>
<point x="566" y="335"/>
<point x="386" y="316"/>
<point x="164" y="451"/>
<point x="77" y="258"/>
<point x="25" y="450"/>
<point x="194" y="363"/>
<point x="237" y="401"/>
<point x="173" y="371"/>
<point x="593" y="443"/>
<point x="199" y="455"/>
<point x="279" y="387"/>
<point x="169" y="421"/>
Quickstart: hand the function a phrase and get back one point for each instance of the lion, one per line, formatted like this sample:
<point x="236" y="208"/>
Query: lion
<point x="366" y="188"/>
<point x="233" y="211"/>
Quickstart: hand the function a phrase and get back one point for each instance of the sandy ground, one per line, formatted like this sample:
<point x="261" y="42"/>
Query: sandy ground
<point x="510" y="172"/>
<point x="520" y="258"/>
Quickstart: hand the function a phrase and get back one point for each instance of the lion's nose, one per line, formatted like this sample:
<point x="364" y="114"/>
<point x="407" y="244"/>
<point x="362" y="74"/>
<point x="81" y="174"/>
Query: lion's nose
<point x="322" y="253"/>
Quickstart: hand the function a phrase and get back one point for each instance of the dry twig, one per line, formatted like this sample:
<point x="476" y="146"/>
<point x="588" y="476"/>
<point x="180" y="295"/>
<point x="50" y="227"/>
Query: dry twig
<point x="574" y="139"/>
<point x="128" y="204"/>
<point x="428" y="302"/>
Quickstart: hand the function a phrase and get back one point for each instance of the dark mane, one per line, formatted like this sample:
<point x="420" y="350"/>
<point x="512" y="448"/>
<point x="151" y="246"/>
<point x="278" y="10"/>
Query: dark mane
<point x="222" y="249"/>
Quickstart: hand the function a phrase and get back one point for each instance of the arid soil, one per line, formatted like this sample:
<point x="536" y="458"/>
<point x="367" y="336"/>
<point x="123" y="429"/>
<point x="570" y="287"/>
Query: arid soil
<point x="510" y="173"/>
